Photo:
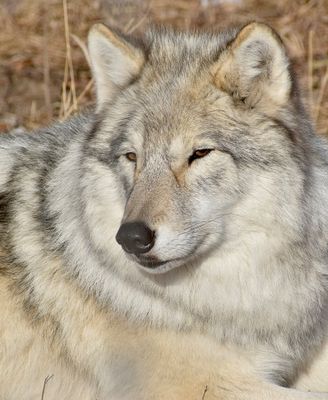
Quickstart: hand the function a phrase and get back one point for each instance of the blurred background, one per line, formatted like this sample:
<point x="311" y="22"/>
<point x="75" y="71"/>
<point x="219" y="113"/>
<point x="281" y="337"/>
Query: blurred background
<point x="44" y="73"/>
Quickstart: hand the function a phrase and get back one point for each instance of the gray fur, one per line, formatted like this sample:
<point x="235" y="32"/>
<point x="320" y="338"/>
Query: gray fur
<point x="66" y="189"/>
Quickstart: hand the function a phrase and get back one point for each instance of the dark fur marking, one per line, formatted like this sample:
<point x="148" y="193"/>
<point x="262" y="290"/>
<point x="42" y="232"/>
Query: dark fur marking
<point x="116" y="143"/>
<point x="43" y="215"/>
<point x="109" y="154"/>
<point x="93" y="130"/>
<point x="290" y="133"/>
<point x="5" y="199"/>
<point x="301" y="150"/>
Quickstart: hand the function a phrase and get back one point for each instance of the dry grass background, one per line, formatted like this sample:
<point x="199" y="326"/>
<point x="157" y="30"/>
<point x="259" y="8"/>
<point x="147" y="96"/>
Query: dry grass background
<point x="44" y="72"/>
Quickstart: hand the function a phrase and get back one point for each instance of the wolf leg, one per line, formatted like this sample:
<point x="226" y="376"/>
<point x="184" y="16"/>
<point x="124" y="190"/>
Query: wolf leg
<point x="186" y="367"/>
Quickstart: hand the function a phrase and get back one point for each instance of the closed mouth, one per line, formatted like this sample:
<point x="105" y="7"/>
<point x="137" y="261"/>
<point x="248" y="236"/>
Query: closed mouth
<point x="151" y="263"/>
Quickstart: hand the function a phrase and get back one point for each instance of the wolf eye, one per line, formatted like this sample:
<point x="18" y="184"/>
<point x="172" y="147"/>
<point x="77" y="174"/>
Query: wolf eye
<point x="198" y="154"/>
<point x="131" y="156"/>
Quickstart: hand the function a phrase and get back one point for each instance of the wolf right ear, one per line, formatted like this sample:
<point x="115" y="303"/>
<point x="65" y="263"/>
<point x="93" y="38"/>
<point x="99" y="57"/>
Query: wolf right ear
<point x="115" y="62"/>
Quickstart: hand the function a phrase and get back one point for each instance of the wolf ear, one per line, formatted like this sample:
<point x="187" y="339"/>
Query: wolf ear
<point x="115" y="62"/>
<point x="255" y="68"/>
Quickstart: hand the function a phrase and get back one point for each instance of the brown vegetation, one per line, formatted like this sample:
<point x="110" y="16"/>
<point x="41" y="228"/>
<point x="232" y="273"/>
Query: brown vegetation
<point x="44" y="72"/>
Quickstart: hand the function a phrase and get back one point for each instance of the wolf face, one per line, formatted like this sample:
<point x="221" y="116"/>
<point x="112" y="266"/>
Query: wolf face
<point x="193" y="130"/>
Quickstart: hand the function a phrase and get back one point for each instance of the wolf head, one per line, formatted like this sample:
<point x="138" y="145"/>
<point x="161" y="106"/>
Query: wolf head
<point x="198" y="142"/>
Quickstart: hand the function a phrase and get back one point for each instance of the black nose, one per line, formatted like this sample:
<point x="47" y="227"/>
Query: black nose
<point x="135" y="237"/>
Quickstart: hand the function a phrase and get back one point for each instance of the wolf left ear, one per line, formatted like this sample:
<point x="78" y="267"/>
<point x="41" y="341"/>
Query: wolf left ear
<point x="115" y="62"/>
<point x="255" y="68"/>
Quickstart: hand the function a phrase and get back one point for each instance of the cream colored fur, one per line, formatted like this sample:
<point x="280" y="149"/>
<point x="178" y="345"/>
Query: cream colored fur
<point x="103" y="357"/>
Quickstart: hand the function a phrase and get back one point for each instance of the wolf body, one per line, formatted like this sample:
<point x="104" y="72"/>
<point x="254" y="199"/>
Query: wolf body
<point x="179" y="229"/>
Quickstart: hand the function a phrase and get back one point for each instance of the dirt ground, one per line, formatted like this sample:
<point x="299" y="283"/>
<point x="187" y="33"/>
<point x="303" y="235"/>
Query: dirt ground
<point x="44" y="73"/>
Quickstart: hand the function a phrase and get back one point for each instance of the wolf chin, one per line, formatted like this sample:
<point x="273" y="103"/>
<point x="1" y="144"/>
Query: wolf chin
<point x="171" y="242"/>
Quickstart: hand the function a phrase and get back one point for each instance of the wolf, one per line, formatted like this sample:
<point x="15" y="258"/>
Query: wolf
<point x="169" y="242"/>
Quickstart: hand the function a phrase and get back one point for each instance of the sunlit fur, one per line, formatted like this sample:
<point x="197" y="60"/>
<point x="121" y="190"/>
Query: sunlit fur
<point x="239" y="302"/>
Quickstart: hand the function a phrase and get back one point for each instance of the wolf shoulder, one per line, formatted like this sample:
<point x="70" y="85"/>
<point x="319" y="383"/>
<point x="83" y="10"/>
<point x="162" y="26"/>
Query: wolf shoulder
<point x="44" y="146"/>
